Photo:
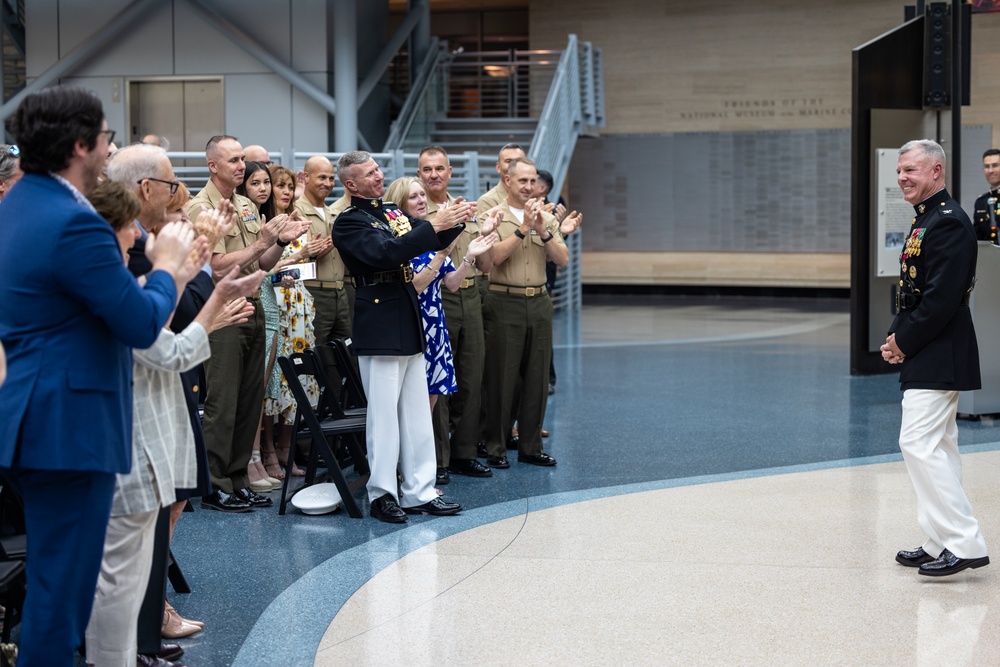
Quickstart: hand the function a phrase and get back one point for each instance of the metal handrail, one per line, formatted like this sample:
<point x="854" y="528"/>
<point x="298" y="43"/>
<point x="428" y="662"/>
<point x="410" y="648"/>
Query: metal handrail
<point x="419" y="98"/>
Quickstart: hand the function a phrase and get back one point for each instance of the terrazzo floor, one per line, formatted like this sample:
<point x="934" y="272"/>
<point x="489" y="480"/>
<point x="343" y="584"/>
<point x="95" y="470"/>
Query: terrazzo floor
<point x="726" y="493"/>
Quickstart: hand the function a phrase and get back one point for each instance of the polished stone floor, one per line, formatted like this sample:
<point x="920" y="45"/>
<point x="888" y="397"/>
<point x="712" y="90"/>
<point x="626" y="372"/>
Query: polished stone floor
<point x="726" y="494"/>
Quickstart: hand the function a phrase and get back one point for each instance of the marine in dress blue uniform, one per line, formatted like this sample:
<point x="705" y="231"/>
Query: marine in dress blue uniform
<point x="934" y="339"/>
<point x="389" y="339"/>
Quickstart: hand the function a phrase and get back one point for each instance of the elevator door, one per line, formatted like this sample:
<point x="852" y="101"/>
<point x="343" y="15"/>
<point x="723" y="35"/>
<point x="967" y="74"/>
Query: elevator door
<point x="187" y="113"/>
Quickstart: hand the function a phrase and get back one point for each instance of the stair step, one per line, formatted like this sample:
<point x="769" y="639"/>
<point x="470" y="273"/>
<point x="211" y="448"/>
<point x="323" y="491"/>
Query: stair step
<point x="485" y="134"/>
<point x="510" y="122"/>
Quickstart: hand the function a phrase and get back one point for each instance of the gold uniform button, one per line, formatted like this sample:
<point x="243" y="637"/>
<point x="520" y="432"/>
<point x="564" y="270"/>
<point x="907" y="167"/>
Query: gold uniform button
<point x="195" y="389"/>
<point x="900" y="283"/>
<point x="376" y="300"/>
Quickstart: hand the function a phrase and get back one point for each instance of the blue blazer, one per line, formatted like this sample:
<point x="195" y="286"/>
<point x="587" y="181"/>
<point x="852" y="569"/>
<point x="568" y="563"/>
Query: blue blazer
<point x="70" y="312"/>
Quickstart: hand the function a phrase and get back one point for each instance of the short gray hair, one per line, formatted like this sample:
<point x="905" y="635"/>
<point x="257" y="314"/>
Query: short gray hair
<point x="348" y="160"/>
<point x="9" y="162"/>
<point x="133" y="163"/>
<point x="931" y="149"/>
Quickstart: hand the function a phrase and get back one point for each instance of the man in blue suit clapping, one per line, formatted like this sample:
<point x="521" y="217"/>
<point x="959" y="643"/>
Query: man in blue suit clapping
<point x="69" y="313"/>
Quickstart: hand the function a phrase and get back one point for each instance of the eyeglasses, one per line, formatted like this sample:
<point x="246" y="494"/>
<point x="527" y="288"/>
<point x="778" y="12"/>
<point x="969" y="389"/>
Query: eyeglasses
<point x="173" y="184"/>
<point x="10" y="151"/>
<point x="110" y="133"/>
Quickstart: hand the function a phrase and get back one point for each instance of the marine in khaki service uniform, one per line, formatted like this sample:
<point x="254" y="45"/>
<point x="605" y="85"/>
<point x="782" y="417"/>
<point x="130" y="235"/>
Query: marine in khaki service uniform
<point x="457" y="423"/>
<point x="235" y="372"/>
<point x="333" y="316"/>
<point x="517" y="319"/>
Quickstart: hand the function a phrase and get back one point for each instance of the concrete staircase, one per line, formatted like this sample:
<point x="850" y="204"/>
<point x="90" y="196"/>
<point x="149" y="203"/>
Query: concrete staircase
<point x="486" y="135"/>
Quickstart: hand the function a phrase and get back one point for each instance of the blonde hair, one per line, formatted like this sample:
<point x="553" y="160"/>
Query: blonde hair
<point x="399" y="192"/>
<point x="178" y="200"/>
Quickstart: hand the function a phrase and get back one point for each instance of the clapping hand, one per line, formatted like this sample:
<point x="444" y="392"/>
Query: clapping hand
<point x="169" y="249"/>
<point x="533" y="215"/>
<point x="570" y="223"/>
<point x="318" y="245"/>
<point x="481" y="244"/>
<point x="294" y="228"/>
<point x="455" y="214"/>
<point x="215" y="223"/>
<point x="493" y="218"/>
<point x="271" y="229"/>
<point x="201" y="253"/>
<point x="236" y="311"/>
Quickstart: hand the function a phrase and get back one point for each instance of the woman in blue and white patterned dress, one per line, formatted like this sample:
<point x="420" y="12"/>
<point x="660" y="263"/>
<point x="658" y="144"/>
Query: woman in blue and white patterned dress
<point x="430" y="270"/>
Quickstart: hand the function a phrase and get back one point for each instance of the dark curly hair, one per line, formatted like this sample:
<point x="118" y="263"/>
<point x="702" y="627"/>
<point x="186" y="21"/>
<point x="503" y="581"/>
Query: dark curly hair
<point x="47" y="125"/>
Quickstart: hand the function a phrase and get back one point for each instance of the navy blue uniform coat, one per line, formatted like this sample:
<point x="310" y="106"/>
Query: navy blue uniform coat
<point x="937" y="336"/>
<point x="386" y="317"/>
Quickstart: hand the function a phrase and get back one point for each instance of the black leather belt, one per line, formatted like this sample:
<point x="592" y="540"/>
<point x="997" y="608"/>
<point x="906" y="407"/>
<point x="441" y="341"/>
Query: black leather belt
<point x="403" y="274"/>
<point x="907" y="301"/>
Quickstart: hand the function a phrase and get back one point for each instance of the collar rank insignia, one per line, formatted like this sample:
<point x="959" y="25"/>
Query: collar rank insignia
<point x="921" y="208"/>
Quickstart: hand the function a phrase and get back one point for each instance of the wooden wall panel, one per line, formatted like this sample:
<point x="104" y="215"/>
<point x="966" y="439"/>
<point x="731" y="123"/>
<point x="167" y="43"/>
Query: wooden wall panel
<point x="732" y="65"/>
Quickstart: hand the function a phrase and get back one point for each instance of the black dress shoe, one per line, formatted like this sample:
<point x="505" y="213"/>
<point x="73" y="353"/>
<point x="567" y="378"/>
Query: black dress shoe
<point x="481" y="450"/>
<point x="948" y="563"/>
<point x="469" y="468"/>
<point x="512" y="441"/>
<point x="253" y="498"/>
<point x="170" y="652"/>
<point x="387" y="509"/>
<point x="442" y="476"/>
<point x="498" y="461"/>
<point x="536" y="460"/>
<point x="914" y="558"/>
<point x="153" y="661"/>
<point x="437" y="507"/>
<point x="224" y="502"/>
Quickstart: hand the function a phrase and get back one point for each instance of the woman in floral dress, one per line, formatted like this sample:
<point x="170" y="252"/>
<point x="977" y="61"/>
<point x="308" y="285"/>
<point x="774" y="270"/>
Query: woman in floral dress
<point x="296" y="312"/>
<point x="430" y="270"/>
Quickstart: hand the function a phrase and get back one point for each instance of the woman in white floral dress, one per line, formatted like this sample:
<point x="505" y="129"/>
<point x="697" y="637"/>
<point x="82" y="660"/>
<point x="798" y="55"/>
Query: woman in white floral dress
<point x="296" y="312"/>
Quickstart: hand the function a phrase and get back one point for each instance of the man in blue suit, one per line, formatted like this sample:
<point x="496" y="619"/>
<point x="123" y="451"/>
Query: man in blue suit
<point x="69" y="313"/>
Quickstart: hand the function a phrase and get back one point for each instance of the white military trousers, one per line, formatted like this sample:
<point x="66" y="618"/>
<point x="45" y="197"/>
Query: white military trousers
<point x="399" y="428"/>
<point x="928" y="439"/>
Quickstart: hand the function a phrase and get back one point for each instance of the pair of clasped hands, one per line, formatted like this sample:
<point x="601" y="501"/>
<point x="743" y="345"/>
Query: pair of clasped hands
<point x="891" y="351"/>
<point x="533" y="219"/>
<point x="182" y="248"/>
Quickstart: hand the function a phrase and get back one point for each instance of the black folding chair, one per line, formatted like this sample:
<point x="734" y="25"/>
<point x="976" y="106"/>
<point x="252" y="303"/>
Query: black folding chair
<point x="354" y="390"/>
<point x="327" y="421"/>
<point x="357" y="449"/>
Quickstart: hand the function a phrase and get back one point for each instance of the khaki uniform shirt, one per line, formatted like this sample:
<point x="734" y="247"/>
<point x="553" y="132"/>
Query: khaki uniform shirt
<point x="491" y="199"/>
<point x="330" y="267"/>
<point x="526" y="265"/>
<point x="243" y="234"/>
<point x="340" y="205"/>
